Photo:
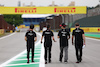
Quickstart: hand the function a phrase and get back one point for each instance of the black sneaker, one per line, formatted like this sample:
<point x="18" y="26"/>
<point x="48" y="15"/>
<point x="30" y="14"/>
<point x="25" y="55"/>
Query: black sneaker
<point x="80" y="60"/>
<point x="60" y="60"/>
<point x="49" y="61"/>
<point x="46" y="62"/>
<point x="28" y="61"/>
<point x="32" y="61"/>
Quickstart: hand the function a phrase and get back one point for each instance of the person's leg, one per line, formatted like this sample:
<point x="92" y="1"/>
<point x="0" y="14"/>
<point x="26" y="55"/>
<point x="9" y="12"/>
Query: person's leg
<point x="66" y="54"/>
<point x="80" y="54"/>
<point x="77" y="51"/>
<point x="49" y="56"/>
<point x="32" y="54"/>
<point x="61" y="54"/>
<point x="45" y="55"/>
<point x="28" y="52"/>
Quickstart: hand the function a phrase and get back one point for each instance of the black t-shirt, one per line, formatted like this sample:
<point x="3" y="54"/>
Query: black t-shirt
<point x="78" y="35"/>
<point x="30" y="37"/>
<point x="63" y="34"/>
<point x="47" y="36"/>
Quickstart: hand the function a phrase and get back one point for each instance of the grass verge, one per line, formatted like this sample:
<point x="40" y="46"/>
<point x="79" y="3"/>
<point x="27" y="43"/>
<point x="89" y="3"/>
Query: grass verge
<point x="93" y="37"/>
<point x="1" y="35"/>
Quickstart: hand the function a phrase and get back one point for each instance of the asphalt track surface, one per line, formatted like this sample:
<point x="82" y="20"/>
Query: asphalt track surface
<point x="91" y="55"/>
<point x="13" y="45"/>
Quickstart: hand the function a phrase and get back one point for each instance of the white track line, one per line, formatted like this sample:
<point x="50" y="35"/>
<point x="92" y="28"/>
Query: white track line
<point x="7" y="36"/>
<point x="22" y="64"/>
<point x="92" y="39"/>
<point x="42" y="57"/>
<point x="12" y="59"/>
<point x="30" y="55"/>
<point x="5" y="63"/>
<point x="24" y="59"/>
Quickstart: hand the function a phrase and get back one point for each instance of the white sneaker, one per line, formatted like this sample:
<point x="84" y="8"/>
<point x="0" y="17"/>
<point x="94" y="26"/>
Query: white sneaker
<point x="65" y="62"/>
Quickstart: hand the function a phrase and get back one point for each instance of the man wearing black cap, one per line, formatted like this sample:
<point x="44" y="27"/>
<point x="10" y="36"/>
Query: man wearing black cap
<point x="79" y="39"/>
<point x="64" y="36"/>
<point x="47" y="43"/>
<point x="30" y="37"/>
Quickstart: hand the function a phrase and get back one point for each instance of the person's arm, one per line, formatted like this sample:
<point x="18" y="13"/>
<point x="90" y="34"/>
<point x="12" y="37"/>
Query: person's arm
<point x="53" y="36"/>
<point x="68" y="35"/>
<point x="35" y="39"/>
<point x="41" y="39"/>
<point x="53" y="39"/>
<point x="42" y="36"/>
<point x="58" y="35"/>
<point x="73" y="34"/>
<point x="83" y="39"/>
<point x="72" y="39"/>
<point x="25" y="38"/>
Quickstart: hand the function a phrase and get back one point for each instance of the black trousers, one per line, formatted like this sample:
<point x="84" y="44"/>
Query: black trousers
<point x="47" y="51"/>
<point x="32" y="51"/>
<point x="78" y="52"/>
<point x="28" y="54"/>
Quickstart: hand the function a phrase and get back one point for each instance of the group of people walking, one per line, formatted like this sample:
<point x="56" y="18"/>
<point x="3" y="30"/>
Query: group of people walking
<point x="63" y="35"/>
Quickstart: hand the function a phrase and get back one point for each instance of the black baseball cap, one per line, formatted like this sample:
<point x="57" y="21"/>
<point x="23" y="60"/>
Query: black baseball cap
<point x="63" y="24"/>
<point x="31" y="26"/>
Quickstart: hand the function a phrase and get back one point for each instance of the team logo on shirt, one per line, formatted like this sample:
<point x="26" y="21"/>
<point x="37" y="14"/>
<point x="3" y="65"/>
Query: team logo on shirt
<point x="47" y="32"/>
<point x="63" y="33"/>
<point x="77" y="30"/>
<point x="30" y="34"/>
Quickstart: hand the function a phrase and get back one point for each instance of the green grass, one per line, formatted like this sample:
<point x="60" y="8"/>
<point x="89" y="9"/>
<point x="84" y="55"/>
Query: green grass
<point x="1" y="35"/>
<point x="92" y="37"/>
<point x="96" y="36"/>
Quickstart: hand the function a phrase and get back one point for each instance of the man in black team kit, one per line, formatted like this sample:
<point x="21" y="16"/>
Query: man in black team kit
<point x="64" y="36"/>
<point x="47" y="43"/>
<point x="30" y="37"/>
<point x="79" y="39"/>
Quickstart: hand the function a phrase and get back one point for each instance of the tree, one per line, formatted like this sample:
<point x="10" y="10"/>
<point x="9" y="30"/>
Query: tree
<point x="13" y="19"/>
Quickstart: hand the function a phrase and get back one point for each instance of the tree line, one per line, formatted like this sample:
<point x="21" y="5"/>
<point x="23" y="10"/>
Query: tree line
<point x="15" y="20"/>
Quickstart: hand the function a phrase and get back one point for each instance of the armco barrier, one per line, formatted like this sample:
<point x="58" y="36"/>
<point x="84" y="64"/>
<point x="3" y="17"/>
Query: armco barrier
<point x="89" y="29"/>
<point x="1" y="31"/>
